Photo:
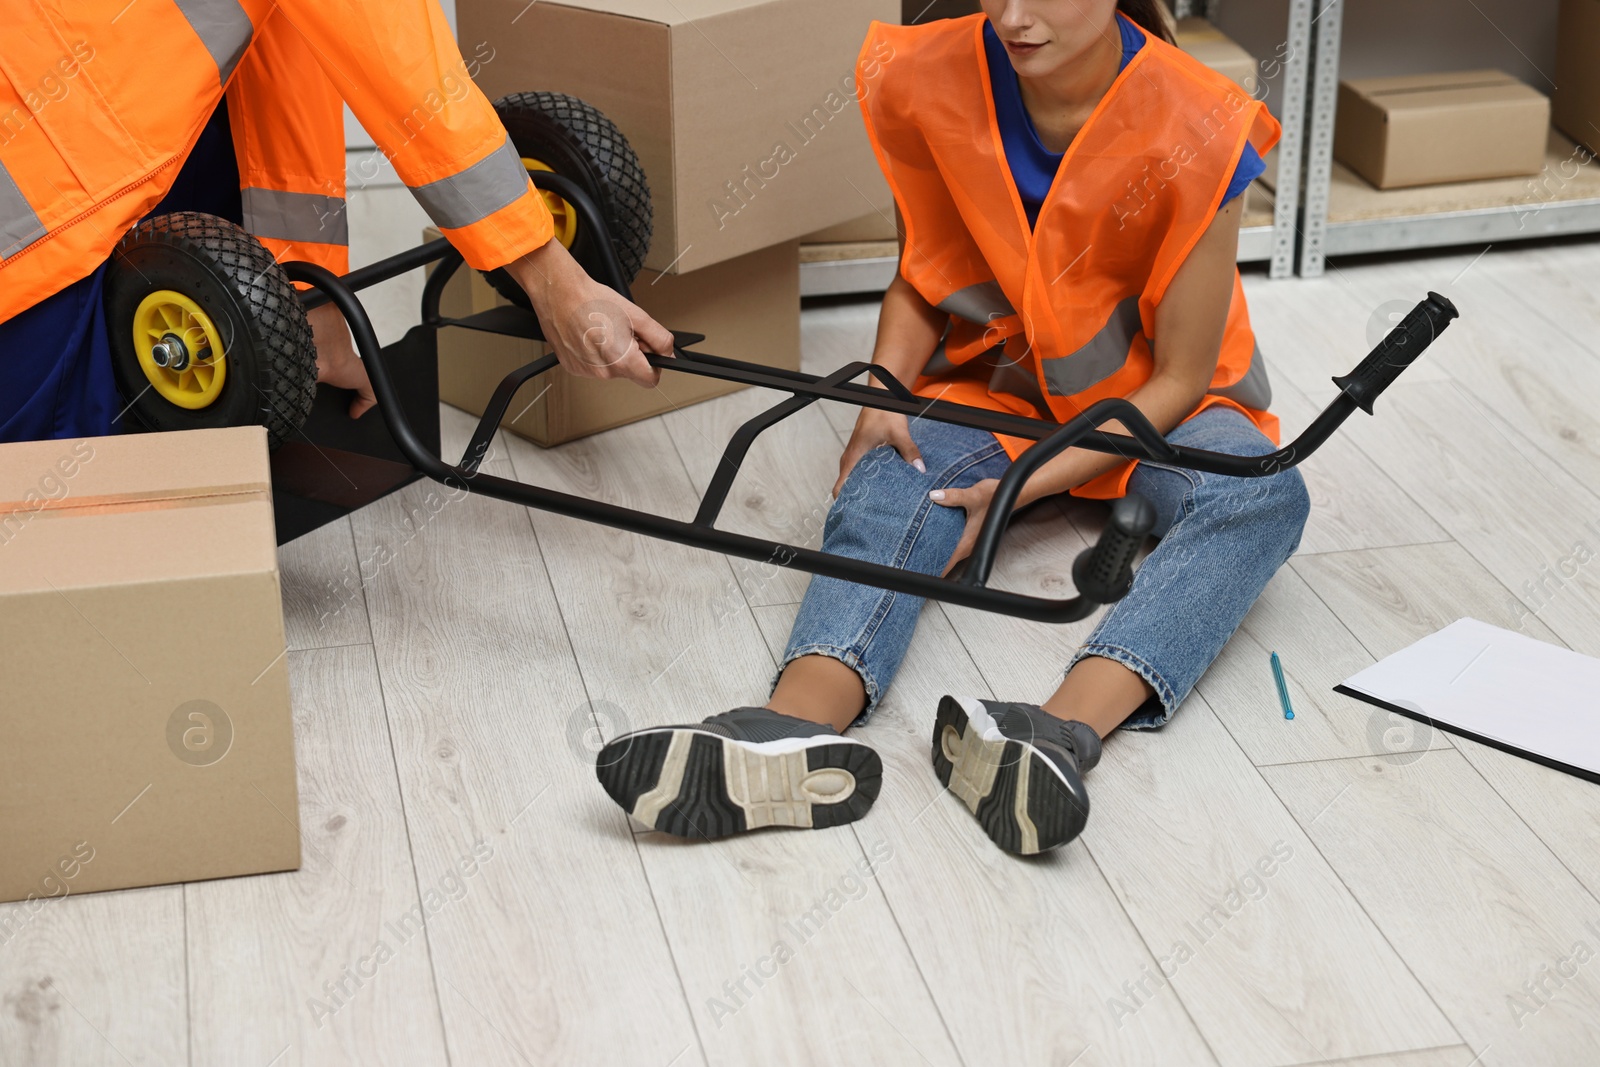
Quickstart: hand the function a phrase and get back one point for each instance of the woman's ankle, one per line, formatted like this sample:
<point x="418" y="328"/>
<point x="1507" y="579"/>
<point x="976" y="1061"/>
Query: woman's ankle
<point x="819" y="689"/>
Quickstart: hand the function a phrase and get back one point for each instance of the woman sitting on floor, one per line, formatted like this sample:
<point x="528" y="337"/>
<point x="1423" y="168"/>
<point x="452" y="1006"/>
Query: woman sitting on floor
<point x="1069" y="184"/>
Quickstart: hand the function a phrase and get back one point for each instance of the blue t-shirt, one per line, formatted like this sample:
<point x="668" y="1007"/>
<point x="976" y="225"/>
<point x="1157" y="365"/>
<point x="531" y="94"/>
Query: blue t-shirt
<point x="1033" y="166"/>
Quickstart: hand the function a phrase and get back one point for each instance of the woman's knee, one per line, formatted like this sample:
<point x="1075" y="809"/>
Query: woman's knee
<point x="1279" y="501"/>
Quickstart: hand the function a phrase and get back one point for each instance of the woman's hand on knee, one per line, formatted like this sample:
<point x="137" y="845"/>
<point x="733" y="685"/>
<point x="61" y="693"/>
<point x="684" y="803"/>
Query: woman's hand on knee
<point x="875" y="428"/>
<point x="975" y="499"/>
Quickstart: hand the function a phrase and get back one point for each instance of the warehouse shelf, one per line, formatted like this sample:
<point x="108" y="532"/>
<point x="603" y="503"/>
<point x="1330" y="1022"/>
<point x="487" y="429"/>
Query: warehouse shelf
<point x="1564" y="198"/>
<point x="1345" y="215"/>
<point x="855" y="267"/>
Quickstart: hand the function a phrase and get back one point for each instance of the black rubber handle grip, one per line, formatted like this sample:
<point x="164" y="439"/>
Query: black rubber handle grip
<point x="1398" y="350"/>
<point x="1104" y="572"/>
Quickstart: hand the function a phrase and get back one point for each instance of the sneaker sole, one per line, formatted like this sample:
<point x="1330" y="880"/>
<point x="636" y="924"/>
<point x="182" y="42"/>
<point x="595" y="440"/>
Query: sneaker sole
<point x="1019" y="798"/>
<point x="690" y="783"/>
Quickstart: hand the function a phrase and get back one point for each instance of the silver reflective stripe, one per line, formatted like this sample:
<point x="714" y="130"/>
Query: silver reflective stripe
<point x="1014" y="375"/>
<point x="308" y="217"/>
<point x="1011" y="375"/>
<point x="938" y="363"/>
<point x="223" y="27"/>
<point x="1253" y="390"/>
<point x="1102" y="357"/>
<point x="19" y="224"/>
<point x="474" y="194"/>
<point x="983" y="302"/>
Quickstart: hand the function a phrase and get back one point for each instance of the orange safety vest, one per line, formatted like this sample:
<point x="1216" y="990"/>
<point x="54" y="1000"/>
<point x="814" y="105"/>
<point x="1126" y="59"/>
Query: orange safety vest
<point x="1138" y="186"/>
<point x="102" y="100"/>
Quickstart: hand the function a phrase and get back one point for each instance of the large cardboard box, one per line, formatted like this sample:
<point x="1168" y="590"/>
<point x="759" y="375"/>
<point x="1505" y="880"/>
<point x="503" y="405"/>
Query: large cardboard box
<point x="1425" y="129"/>
<point x="744" y="113"/>
<point x="1218" y="51"/>
<point x="145" y="729"/>
<point x="748" y="308"/>
<point x="916" y="12"/>
<point x="877" y="226"/>
<point x="1576" y="101"/>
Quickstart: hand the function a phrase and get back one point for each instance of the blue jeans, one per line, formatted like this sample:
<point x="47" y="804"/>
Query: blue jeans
<point x="1221" y="541"/>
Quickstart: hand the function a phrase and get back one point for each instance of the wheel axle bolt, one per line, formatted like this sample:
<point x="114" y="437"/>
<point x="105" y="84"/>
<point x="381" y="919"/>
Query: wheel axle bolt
<point x="170" y="352"/>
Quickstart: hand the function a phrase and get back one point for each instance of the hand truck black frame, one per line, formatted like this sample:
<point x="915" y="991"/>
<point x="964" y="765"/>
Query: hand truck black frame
<point x="1103" y="572"/>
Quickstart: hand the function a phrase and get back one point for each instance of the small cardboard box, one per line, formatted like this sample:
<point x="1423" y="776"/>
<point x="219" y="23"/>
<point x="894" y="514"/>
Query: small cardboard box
<point x="744" y="113"/>
<point x="748" y="308"/>
<point x="145" y="728"/>
<point x="1427" y="129"/>
<point x="1218" y="51"/>
<point x="1576" y="102"/>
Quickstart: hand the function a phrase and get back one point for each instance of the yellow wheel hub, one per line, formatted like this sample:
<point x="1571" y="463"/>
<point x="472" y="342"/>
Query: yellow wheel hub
<point x="179" y="349"/>
<point x="565" y="215"/>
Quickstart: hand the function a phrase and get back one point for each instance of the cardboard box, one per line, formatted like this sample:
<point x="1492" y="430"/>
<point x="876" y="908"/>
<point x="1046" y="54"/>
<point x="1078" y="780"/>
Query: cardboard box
<point x="1426" y="129"/>
<point x="1576" y="102"/>
<point x="748" y="308"/>
<point x="1218" y="51"/>
<point x="878" y="226"/>
<point x="916" y="12"/>
<point x="147" y="735"/>
<point x="743" y="112"/>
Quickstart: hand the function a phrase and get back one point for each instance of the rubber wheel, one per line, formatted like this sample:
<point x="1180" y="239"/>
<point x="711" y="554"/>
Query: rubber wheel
<point x="240" y="297"/>
<point x="579" y="143"/>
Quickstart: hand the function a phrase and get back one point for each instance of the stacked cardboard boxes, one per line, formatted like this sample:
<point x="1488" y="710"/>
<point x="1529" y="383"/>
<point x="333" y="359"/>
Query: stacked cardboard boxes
<point x="748" y="308"/>
<point x="745" y="117"/>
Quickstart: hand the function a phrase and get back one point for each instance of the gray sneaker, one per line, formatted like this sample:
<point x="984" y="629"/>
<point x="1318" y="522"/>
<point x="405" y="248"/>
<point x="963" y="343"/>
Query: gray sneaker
<point x="741" y="770"/>
<point x="1017" y="768"/>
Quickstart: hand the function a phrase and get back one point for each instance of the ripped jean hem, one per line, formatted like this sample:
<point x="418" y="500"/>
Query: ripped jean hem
<point x="850" y="659"/>
<point x="1143" y="718"/>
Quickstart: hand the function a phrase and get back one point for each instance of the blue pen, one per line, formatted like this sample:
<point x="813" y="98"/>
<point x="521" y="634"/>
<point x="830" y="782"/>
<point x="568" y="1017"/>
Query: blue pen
<point x="1283" y="687"/>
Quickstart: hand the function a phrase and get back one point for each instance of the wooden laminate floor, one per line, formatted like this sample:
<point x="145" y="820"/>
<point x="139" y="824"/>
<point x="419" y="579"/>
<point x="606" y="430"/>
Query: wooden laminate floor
<point x="1250" y="892"/>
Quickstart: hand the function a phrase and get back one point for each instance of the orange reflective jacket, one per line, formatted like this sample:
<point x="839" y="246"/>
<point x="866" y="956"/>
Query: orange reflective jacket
<point x="101" y="101"/>
<point x="1044" y="322"/>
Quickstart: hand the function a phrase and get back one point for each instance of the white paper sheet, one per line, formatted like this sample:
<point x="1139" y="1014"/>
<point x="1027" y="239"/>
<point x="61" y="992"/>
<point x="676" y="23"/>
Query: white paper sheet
<point x="1499" y="685"/>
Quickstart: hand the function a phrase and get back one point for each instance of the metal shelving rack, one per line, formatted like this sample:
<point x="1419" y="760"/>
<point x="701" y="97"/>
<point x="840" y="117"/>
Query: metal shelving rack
<point x="1346" y="216"/>
<point x="1260" y="241"/>
<point x="1274" y="243"/>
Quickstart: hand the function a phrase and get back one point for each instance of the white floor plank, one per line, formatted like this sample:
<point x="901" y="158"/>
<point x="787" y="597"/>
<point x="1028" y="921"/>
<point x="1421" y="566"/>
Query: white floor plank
<point x="1449" y="1056"/>
<point x="1472" y="901"/>
<point x="555" y="953"/>
<point x="831" y="336"/>
<point x="1047" y="936"/>
<point x="1354" y="504"/>
<point x="95" y="980"/>
<point x="783" y="489"/>
<point x="1537" y="370"/>
<point x="1317" y="652"/>
<point x="1552" y="280"/>
<point x="1394" y="597"/>
<point x="1282" y="984"/>
<point x="322" y="965"/>
<point x="1277" y="967"/>
<point x="1472" y="472"/>
<point x="1313" y="329"/>
<point x="645" y="623"/>
<point x="324" y="604"/>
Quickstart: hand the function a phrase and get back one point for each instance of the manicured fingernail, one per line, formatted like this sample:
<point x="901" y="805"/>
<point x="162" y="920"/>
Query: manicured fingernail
<point x="921" y="466"/>
<point x="936" y="494"/>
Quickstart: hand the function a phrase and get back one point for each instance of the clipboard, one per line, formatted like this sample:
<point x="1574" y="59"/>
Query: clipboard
<point x="1498" y="687"/>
